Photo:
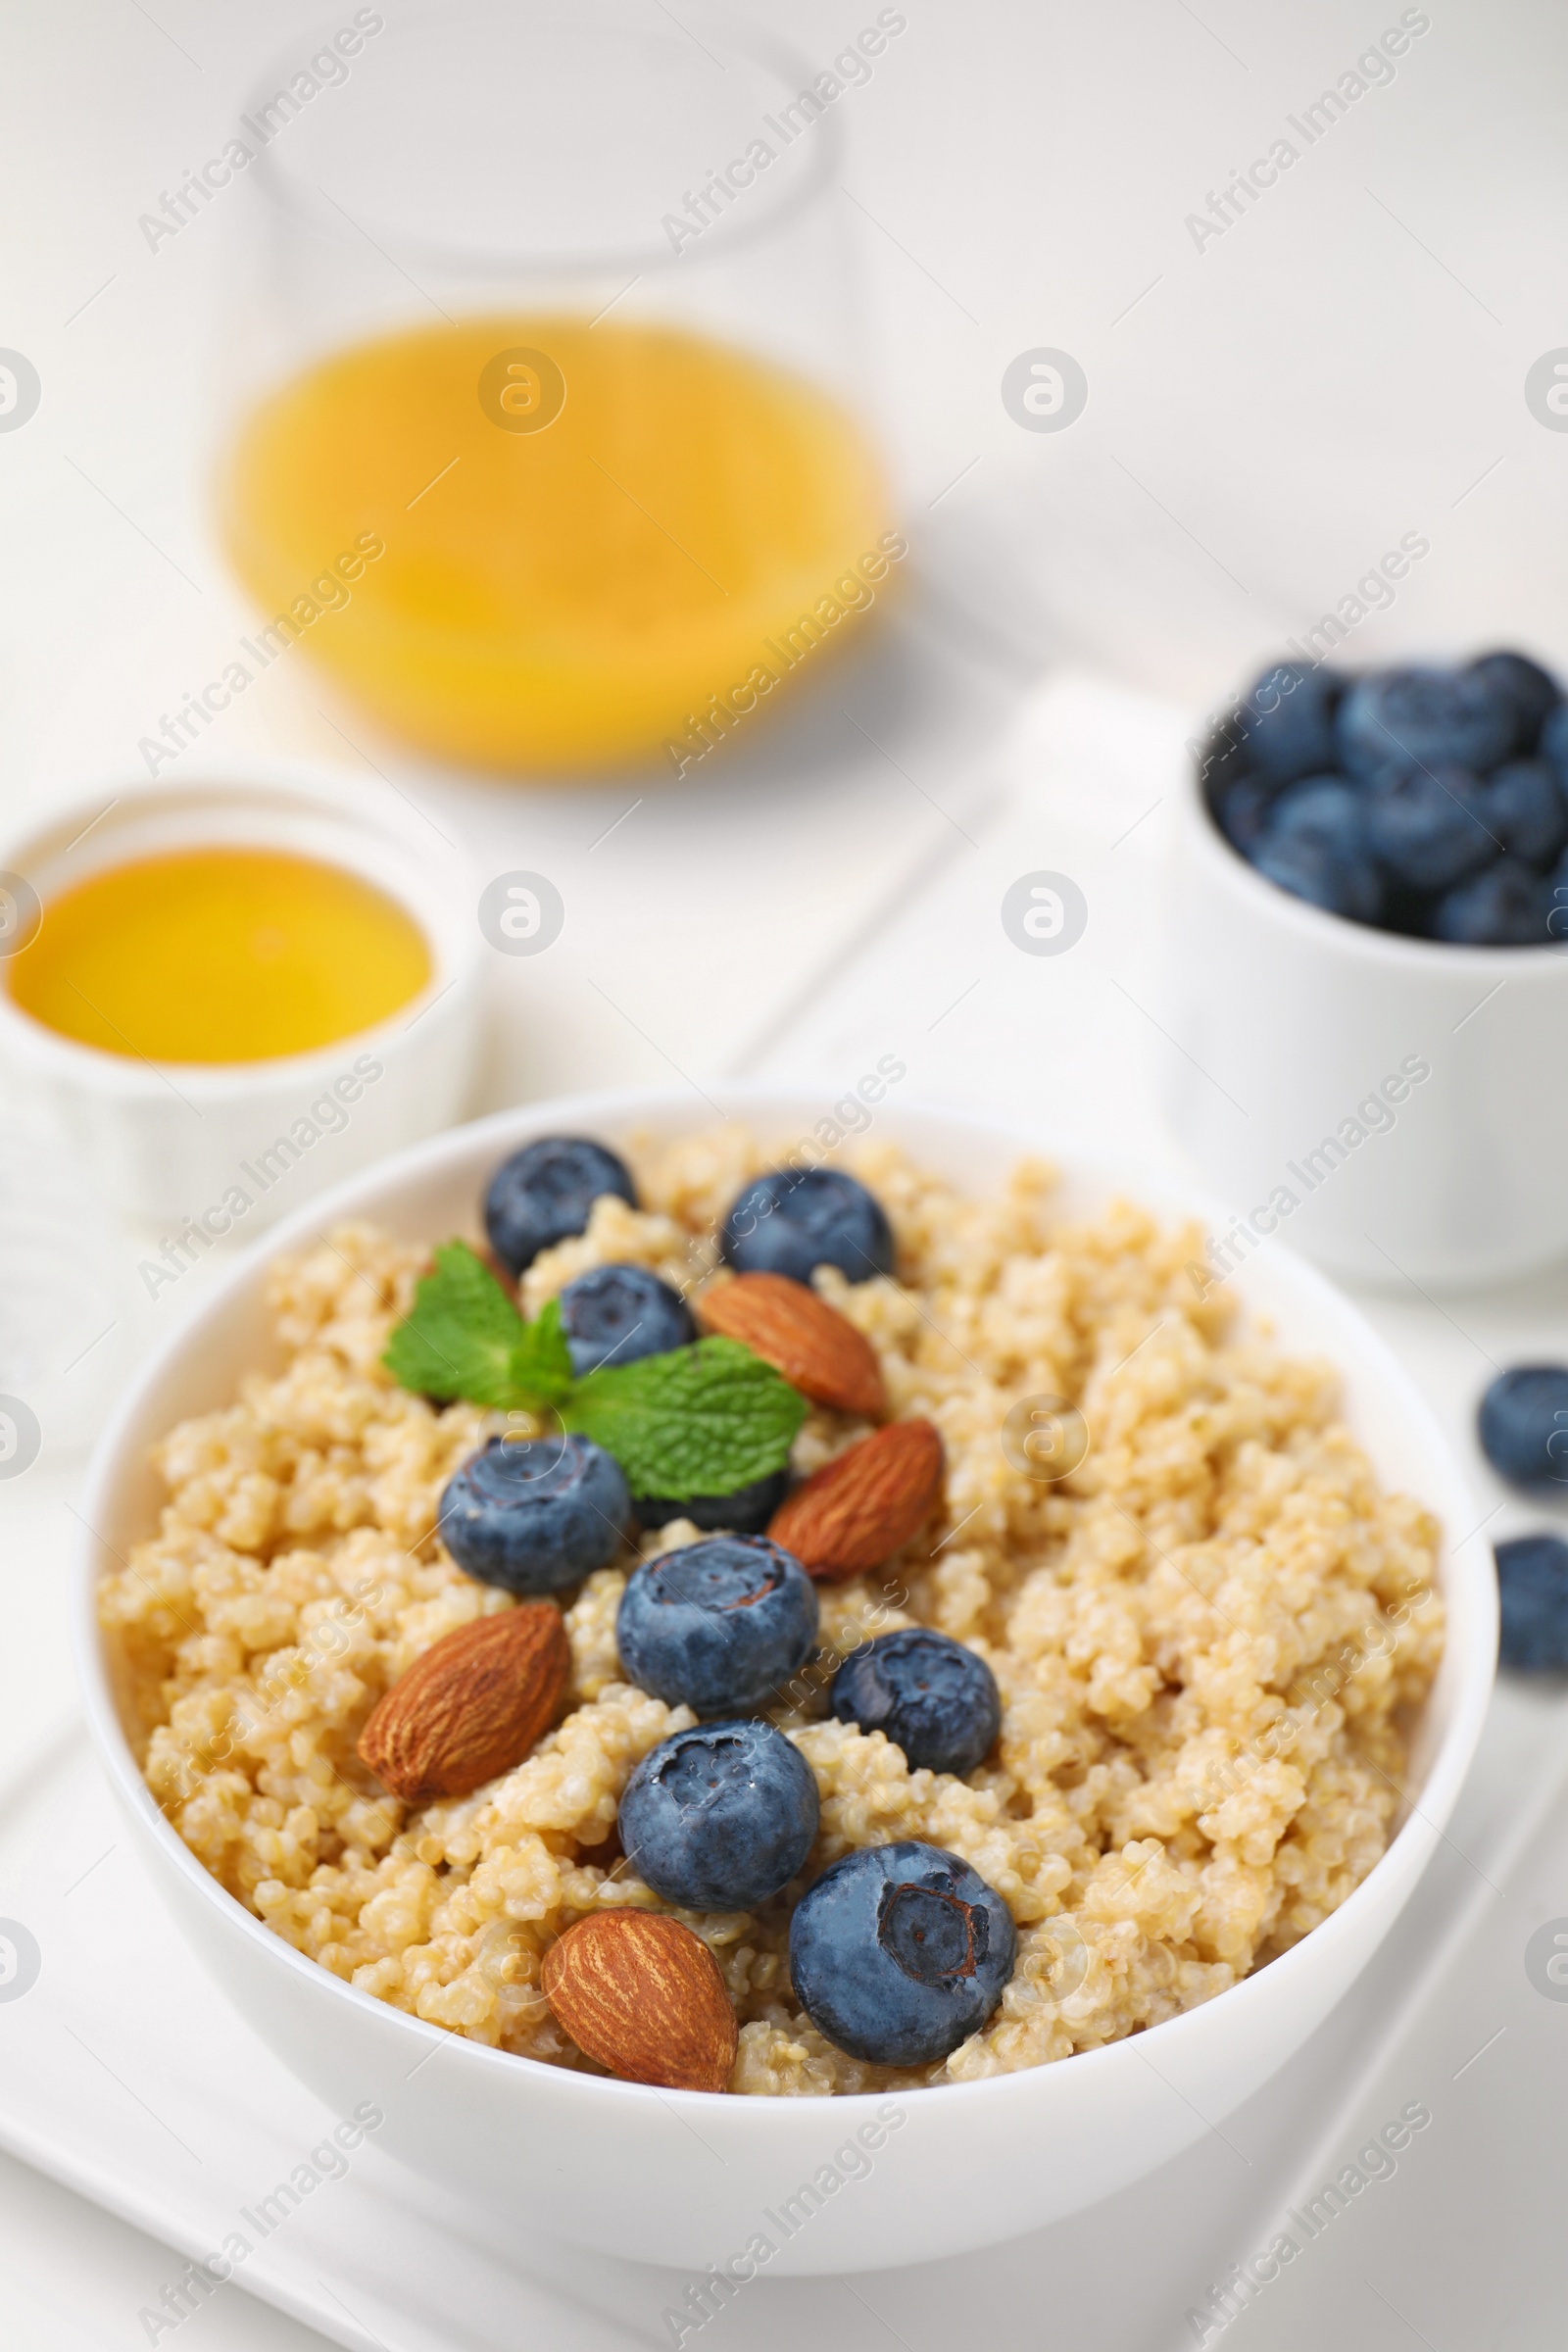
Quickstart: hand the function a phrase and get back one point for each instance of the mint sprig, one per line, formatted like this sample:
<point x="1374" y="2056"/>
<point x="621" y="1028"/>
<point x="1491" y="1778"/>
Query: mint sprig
<point x="466" y="1339"/>
<point x="699" y="1420"/>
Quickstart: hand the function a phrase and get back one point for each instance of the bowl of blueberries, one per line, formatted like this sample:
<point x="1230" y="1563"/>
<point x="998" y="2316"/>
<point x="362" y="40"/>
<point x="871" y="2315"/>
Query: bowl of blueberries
<point x="1368" y="966"/>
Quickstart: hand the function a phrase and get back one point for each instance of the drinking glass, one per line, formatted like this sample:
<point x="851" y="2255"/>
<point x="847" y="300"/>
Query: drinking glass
<point x="544" y="393"/>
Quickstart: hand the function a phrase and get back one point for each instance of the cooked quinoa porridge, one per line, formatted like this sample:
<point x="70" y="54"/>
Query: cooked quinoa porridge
<point x="1205" y="1638"/>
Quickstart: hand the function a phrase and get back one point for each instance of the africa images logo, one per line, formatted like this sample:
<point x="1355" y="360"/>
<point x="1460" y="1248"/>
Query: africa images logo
<point x="20" y="1960"/>
<point x="1045" y="914"/>
<point x="522" y="913"/>
<point x="1545" y="390"/>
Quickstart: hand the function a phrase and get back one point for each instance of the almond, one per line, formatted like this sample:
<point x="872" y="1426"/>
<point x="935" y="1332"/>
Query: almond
<point x="857" y="1510"/>
<point x="646" y="1997"/>
<point x="473" y="1705"/>
<point x="817" y="1349"/>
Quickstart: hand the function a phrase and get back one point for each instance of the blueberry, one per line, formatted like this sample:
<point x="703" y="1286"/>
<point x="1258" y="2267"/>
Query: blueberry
<point x="1315" y="847"/>
<point x="933" y="1697"/>
<point x="1557" y="895"/>
<point x="1506" y="907"/>
<point x="1323" y="809"/>
<point x="535" y="1514"/>
<point x="1310" y="870"/>
<point x="719" y="1817"/>
<point x="1524" y="806"/>
<point x="746" y="1512"/>
<point x="546" y="1192"/>
<point x="1244" y="809"/>
<point x="1530" y="693"/>
<point x="1406" y="910"/>
<point x="1287" y="721"/>
<point x="718" y="1625"/>
<point x="1224" y="758"/>
<point x="1427" y="828"/>
<point x="614" y="1314"/>
<point x="795" y="1219"/>
<point x="900" y="1952"/>
<point x="1424" y="719"/>
<point x="1533" y="1588"/>
<point x="1524" y="1426"/>
<point x="1554" y="743"/>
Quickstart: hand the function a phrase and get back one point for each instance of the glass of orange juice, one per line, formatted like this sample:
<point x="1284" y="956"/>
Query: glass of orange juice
<point x="548" y="376"/>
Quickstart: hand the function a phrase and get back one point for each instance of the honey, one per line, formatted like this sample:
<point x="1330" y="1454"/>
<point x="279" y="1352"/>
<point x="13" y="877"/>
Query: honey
<point x="219" y="954"/>
<point x="591" y="534"/>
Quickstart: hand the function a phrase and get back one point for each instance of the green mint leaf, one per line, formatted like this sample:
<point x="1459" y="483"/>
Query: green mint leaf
<point x="464" y="1337"/>
<point x="699" y="1420"/>
<point x="541" y="1361"/>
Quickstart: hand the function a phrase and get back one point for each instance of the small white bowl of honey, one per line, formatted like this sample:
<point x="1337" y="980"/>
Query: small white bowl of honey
<point x="232" y="992"/>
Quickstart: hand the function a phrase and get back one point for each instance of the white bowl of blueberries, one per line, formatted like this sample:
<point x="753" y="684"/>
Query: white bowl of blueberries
<point x="1428" y="802"/>
<point x="1368" y="966"/>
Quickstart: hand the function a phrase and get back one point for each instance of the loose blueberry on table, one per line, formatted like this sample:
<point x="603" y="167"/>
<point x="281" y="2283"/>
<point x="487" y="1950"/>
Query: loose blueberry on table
<point x="1431" y="802"/>
<point x="535" y="1514"/>
<point x="795" y="1219"/>
<point x="719" y="1817"/>
<point x="929" y="1694"/>
<point x="900" y="1952"/>
<point x="1523" y="1425"/>
<point x="718" y="1626"/>
<point x="1532" y="1594"/>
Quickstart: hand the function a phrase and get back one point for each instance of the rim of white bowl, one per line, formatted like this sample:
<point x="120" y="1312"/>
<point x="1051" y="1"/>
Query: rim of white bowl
<point x="281" y="793"/>
<point x="1357" y="940"/>
<point x="1463" y="1582"/>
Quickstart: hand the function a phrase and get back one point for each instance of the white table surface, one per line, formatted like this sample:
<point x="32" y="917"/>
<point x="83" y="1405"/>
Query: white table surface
<point x="1265" y="416"/>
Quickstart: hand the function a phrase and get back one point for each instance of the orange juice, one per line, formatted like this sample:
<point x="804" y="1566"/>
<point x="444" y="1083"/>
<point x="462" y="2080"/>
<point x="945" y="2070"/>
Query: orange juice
<point x="594" y="545"/>
<point x="219" y="954"/>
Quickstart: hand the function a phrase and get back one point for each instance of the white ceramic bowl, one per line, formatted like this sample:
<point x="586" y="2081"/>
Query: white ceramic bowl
<point x="1400" y="1093"/>
<point x="170" y="1142"/>
<point x="684" y="2177"/>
